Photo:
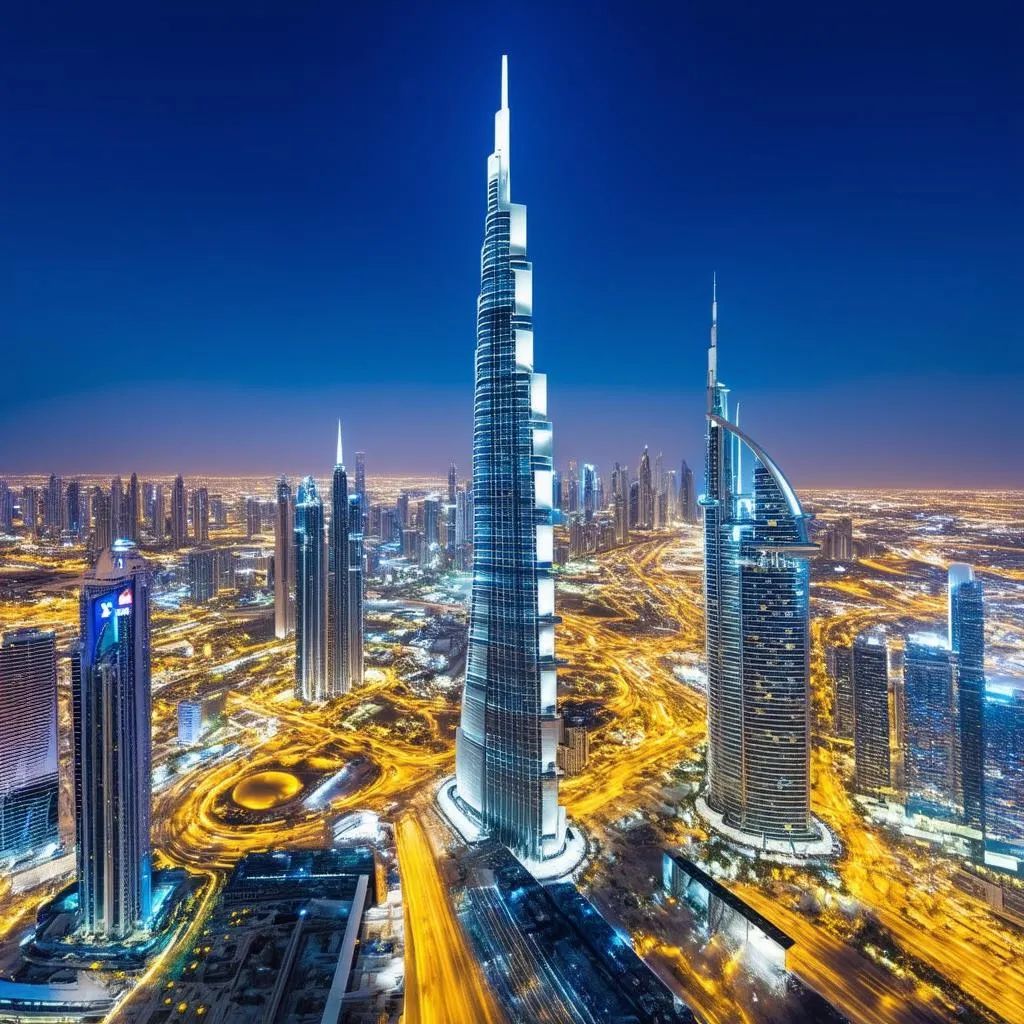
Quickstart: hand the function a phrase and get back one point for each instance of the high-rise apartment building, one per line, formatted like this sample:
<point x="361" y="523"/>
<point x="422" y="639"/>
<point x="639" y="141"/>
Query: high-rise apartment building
<point x="6" y="508"/>
<point x="284" y="561"/>
<point x="203" y="575"/>
<point x="364" y="502"/>
<point x="506" y="745"/>
<point x="158" y="515"/>
<point x="931" y="715"/>
<point x="30" y="508"/>
<point x="102" y="521"/>
<point x="118" y="512"/>
<point x="73" y="508"/>
<point x="339" y="680"/>
<point x="53" y="507"/>
<point x="1004" y="778"/>
<point x="310" y="595"/>
<point x="688" y="509"/>
<point x="453" y="481"/>
<point x="645" y="511"/>
<point x="110" y="696"/>
<point x="179" y="525"/>
<point x="355" y="597"/>
<point x="589" y="489"/>
<point x="756" y="590"/>
<point x="872" y="749"/>
<point x="201" y="515"/>
<point x="967" y="641"/>
<point x="839" y="661"/>
<point x="132" y="509"/>
<point x="29" y="790"/>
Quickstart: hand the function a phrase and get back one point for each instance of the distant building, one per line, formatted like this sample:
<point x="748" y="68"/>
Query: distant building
<point x="53" y="507"/>
<point x="452" y="483"/>
<point x="201" y="515"/>
<point x="967" y="641"/>
<point x="203" y="574"/>
<point x="118" y="510"/>
<point x="6" y="508"/>
<point x="28" y="742"/>
<point x="872" y="749"/>
<point x="431" y="519"/>
<point x="645" y="511"/>
<point x="839" y="661"/>
<point x="179" y="527"/>
<point x="932" y="717"/>
<point x="364" y="501"/>
<point x="253" y="518"/>
<point x="574" y="752"/>
<point x="589" y="491"/>
<point x="284" y="562"/>
<point x="30" y="509"/>
<point x="110" y="697"/>
<point x="339" y="679"/>
<point x="102" y="520"/>
<point x="73" y="513"/>
<point x="689" y="511"/>
<point x="190" y="722"/>
<point x="310" y="595"/>
<point x="131" y="509"/>
<point x="158" y="514"/>
<point x="355" y="600"/>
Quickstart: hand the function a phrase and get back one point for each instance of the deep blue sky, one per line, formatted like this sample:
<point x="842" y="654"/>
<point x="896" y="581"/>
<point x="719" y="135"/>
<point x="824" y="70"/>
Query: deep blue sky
<point x="224" y="224"/>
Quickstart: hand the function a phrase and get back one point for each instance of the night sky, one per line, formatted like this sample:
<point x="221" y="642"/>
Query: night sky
<point x="224" y="225"/>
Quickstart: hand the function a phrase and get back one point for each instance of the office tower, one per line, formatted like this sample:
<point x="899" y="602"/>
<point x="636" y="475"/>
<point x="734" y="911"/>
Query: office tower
<point x="179" y="530"/>
<point x="132" y="509"/>
<point x="872" y="751"/>
<point x="201" y="515"/>
<point x="6" y="508"/>
<point x="670" y="490"/>
<point x="117" y="510"/>
<point x="839" y="661"/>
<point x="431" y="519"/>
<point x="1004" y="778"/>
<point x="284" y="561"/>
<point x="402" y="506"/>
<point x="110" y="699"/>
<point x="646" y="493"/>
<point x="589" y="491"/>
<point x="688" y="509"/>
<point x="339" y="680"/>
<point x="355" y="597"/>
<point x="203" y="575"/>
<point x="29" y="790"/>
<point x="758" y="638"/>
<point x="30" y="508"/>
<point x="634" y="504"/>
<point x="53" y="505"/>
<point x="190" y="722"/>
<point x="505" y="747"/>
<point x="310" y="595"/>
<point x="620" y="502"/>
<point x="931" y="714"/>
<point x="967" y="641"/>
<point x="452" y="483"/>
<point x="364" y="504"/>
<point x="73" y="505"/>
<point x="102" y="521"/>
<point x="159" y="514"/>
<point x="219" y="511"/>
<point x="253" y="517"/>
<point x="571" y="485"/>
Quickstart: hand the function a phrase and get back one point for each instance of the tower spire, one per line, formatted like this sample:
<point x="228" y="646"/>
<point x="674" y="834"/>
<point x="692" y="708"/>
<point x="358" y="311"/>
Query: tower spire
<point x="340" y="461"/>
<point x="713" y="346"/>
<point x="504" y="81"/>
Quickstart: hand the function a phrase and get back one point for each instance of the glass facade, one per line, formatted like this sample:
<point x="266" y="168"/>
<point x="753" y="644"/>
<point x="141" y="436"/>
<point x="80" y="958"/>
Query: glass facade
<point x="338" y="661"/>
<point x="967" y="640"/>
<point x="757" y="622"/>
<point x="1004" y="773"/>
<point x="110" y="700"/>
<point x="872" y="749"/>
<point x="310" y="595"/>
<point x="506" y="744"/>
<point x="28" y="742"/>
<point x="931" y="715"/>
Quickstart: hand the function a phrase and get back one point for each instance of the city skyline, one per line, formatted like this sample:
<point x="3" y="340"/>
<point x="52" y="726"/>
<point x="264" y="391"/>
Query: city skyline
<point x="786" y="215"/>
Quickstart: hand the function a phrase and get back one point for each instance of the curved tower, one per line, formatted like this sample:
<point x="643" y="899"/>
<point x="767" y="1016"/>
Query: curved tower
<point x="505" y="761"/>
<point x="756" y="592"/>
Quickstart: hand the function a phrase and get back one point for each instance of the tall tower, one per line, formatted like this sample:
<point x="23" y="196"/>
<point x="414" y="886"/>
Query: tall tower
<point x="110" y="700"/>
<point x="364" y="504"/>
<point x="118" y="517"/>
<point x="28" y="742"/>
<point x="6" y="508"/>
<point x="179" y="528"/>
<point x="201" y="515"/>
<point x="284" y="562"/>
<point x="338" y="678"/>
<point x="505" y="750"/>
<point x="310" y="595"/>
<point x="452" y="483"/>
<point x="872" y="753"/>
<point x="355" y="596"/>
<point x="758" y="639"/>
<point x="967" y="641"/>
<point x="103" y="519"/>
<point x="646" y="511"/>
<point x="132" y="509"/>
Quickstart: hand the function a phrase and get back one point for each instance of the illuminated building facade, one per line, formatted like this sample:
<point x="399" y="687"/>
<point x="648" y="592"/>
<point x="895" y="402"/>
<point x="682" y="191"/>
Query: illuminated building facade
<point x="506" y="745"/>
<point x="645" y="511"/>
<point x="967" y="641"/>
<point x="201" y="515"/>
<point x="310" y="595"/>
<point x="6" y="508"/>
<point x="1004" y="778"/>
<point x="28" y="742"/>
<point x="872" y="751"/>
<point x="179" y="523"/>
<point x="931" y="716"/>
<point x="339" y="678"/>
<point x="757" y="621"/>
<point x="110" y="700"/>
<point x="355" y="594"/>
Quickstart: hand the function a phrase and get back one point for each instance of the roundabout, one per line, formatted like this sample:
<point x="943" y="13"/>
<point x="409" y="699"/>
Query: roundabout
<point x="266" y="790"/>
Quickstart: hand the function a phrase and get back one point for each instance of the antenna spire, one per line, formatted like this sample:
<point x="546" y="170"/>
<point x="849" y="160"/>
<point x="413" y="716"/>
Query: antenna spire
<point x="341" y="461"/>
<point x="713" y="346"/>
<point x="504" y="81"/>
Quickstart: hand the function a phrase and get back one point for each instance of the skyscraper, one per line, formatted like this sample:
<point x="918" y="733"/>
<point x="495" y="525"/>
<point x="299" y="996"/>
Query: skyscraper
<point x="53" y="512"/>
<point x="355" y="597"/>
<point x="589" y="491"/>
<point x="758" y="639"/>
<point x="338" y="678"/>
<point x="6" y="508"/>
<point x="620" y="502"/>
<point x="284" y="562"/>
<point x="310" y="595"/>
<point x="1004" y="778"/>
<point x="506" y="745"/>
<point x="118" y="512"/>
<point x="73" y="503"/>
<point x="132" y="509"/>
<point x="688" y="508"/>
<point x="932" y="718"/>
<point x="967" y="641"/>
<point x="110" y="697"/>
<point x="364" y="503"/>
<point x="645" y="512"/>
<point x="203" y="575"/>
<point x="30" y="508"/>
<point x="840" y="669"/>
<point x="872" y="751"/>
<point x="102" y="521"/>
<point x="452" y="483"/>
<point x="158" y="515"/>
<point x="253" y="517"/>
<point x="179" y="528"/>
<point x="28" y="742"/>
<point x="201" y="515"/>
